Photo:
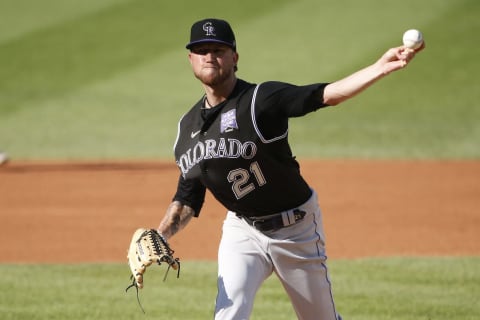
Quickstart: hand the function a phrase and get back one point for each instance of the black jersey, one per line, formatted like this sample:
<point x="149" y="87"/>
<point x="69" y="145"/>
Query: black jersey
<point x="239" y="149"/>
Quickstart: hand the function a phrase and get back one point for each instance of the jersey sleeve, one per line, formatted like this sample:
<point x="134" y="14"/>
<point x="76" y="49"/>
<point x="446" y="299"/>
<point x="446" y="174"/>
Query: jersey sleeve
<point x="276" y="102"/>
<point x="290" y="100"/>
<point x="191" y="193"/>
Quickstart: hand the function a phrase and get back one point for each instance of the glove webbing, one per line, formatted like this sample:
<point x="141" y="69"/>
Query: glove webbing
<point x="160" y="244"/>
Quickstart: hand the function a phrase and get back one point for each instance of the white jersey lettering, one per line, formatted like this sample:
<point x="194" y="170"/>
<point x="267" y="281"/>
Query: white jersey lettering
<point x="213" y="149"/>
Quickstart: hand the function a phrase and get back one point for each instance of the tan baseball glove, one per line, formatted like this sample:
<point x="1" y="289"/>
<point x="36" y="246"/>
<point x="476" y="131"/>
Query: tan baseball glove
<point x="148" y="246"/>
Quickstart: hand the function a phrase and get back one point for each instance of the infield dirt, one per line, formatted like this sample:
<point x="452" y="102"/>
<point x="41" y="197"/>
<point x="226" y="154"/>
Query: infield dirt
<point x="87" y="212"/>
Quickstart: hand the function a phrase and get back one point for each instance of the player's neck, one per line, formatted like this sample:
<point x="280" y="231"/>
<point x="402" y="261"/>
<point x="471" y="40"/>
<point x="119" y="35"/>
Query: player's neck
<point x="215" y="95"/>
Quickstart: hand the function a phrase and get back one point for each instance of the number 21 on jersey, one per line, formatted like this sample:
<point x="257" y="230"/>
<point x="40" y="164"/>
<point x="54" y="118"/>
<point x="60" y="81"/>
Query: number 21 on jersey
<point x="240" y="180"/>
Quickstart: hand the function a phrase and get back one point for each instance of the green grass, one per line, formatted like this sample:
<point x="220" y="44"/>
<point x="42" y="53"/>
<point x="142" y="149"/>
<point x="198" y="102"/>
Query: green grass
<point x="109" y="79"/>
<point x="395" y="288"/>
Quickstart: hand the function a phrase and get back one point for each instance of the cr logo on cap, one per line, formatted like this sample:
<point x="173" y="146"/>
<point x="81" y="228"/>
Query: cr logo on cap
<point x="209" y="29"/>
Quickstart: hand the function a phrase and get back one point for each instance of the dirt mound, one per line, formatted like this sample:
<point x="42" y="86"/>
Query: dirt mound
<point x="86" y="212"/>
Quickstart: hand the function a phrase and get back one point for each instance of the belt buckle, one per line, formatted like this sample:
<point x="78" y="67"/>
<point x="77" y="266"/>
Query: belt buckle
<point x="291" y="217"/>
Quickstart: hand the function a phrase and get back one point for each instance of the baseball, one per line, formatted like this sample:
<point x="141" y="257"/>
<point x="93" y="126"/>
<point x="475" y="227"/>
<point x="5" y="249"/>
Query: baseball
<point x="412" y="39"/>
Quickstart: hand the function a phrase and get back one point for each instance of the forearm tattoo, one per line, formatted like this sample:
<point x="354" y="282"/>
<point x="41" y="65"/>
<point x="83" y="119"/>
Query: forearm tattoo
<point x="176" y="218"/>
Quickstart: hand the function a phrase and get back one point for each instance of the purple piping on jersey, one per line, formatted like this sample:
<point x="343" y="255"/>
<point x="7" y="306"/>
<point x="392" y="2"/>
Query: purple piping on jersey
<point x="178" y="132"/>
<point x="254" y="121"/>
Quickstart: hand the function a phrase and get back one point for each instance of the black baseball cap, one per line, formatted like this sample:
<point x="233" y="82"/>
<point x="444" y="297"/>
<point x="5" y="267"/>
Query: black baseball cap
<point x="212" y="30"/>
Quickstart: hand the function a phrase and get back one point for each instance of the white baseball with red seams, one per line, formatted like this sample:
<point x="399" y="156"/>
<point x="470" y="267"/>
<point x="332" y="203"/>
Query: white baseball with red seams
<point x="412" y="39"/>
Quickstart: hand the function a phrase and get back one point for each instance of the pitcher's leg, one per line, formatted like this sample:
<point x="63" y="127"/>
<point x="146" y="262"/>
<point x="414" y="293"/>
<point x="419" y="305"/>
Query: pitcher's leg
<point x="309" y="289"/>
<point x="242" y="268"/>
<point x="298" y="255"/>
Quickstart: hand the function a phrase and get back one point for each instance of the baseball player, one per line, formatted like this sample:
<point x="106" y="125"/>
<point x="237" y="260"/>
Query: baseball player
<point x="234" y="142"/>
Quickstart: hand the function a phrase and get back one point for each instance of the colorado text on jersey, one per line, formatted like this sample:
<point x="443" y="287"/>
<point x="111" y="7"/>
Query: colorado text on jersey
<point x="210" y="149"/>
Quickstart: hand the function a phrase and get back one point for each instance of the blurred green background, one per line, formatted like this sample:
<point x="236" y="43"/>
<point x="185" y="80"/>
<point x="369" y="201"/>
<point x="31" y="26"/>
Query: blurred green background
<point x="109" y="79"/>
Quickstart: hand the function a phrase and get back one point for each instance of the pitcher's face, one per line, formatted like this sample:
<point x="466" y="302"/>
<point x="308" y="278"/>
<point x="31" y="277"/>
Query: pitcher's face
<point x="213" y="63"/>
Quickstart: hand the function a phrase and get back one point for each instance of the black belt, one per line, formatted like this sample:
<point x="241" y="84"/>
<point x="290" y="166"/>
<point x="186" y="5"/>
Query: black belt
<point x="275" y="222"/>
